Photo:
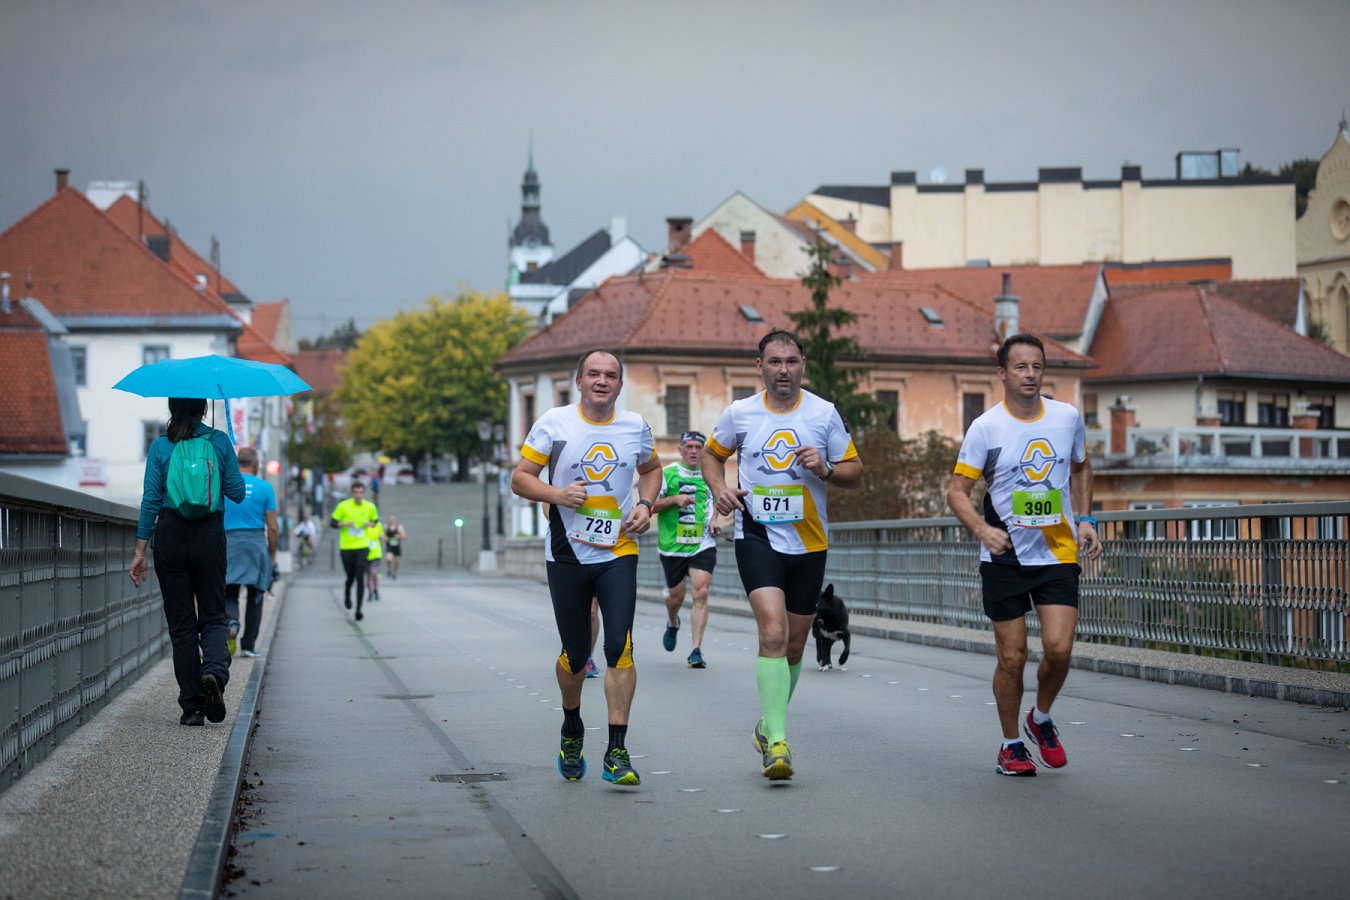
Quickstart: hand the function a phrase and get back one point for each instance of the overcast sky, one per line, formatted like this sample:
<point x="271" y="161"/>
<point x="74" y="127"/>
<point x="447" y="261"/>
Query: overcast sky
<point x="358" y="157"/>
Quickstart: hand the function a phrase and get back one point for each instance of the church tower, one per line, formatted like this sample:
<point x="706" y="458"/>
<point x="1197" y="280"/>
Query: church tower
<point x="529" y="246"/>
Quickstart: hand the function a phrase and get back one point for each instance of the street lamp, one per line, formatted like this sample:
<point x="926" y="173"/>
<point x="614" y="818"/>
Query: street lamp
<point x="487" y="560"/>
<point x="498" y="435"/>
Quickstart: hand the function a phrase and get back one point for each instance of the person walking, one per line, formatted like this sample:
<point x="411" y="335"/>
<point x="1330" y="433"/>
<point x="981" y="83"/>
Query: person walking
<point x="186" y="472"/>
<point x="594" y="453"/>
<point x="351" y="517"/>
<point x="790" y="445"/>
<point x="1031" y="452"/>
<point x="251" y="551"/>
<point x="394" y="535"/>
<point x="687" y="543"/>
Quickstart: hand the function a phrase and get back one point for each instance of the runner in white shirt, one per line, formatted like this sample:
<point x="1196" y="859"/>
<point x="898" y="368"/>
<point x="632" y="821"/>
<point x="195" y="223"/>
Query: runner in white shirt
<point x="1030" y="452"/>
<point x="594" y="454"/>
<point x="788" y="442"/>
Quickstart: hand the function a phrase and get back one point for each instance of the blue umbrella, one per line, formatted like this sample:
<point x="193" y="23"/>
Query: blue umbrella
<point x="212" y="378"/>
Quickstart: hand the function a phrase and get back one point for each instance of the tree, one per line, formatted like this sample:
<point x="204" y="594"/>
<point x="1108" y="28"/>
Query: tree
<point x="824" y="350"/>
<point x="1302" y="171"/>
<point x="327" y="446"/>
<point x="902" y="479"/>
<point x="344" y="337"/>
<point x="420" y="383"/>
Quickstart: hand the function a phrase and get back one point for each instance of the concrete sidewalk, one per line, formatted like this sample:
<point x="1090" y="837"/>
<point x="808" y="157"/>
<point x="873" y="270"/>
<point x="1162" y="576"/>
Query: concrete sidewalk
<point x="134" y="804"/>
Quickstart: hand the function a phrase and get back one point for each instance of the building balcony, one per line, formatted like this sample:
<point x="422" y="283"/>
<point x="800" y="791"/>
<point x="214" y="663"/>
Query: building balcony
<point x="1223" y="449"/>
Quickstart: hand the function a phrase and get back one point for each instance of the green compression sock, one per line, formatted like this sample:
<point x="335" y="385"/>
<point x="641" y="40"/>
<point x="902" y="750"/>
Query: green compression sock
<point x="775" y="686"/>
<point x="795" y="672"/>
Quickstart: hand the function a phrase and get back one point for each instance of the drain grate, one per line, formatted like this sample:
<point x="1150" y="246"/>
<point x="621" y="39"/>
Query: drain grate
<point x="405" y="696"/>
<point x="469" y="777"/>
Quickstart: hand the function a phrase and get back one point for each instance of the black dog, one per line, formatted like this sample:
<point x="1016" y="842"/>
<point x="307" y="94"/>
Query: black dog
<point x="830" y="625"/>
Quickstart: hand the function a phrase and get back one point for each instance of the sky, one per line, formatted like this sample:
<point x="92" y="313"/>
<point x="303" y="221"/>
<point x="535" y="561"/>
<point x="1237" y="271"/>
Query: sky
<point x="357" y="158"/>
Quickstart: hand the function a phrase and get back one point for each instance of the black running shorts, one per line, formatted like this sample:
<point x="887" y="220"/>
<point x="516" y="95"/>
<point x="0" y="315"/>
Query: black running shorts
<point x="799" y="576"/>
<point x="678" y="565"/>
<point x="1011" y="590"/>
<point x="614" y="585"/>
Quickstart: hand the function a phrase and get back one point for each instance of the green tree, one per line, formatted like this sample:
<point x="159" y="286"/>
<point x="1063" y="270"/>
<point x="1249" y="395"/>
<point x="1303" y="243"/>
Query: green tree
<point x="902" y="479"/>
<point x="420" y="383"/>
<point x="818" y="328"/>
<point x="343" y="337"/>
<point x="327" y="446"/>
<point x="1302" y="171"/>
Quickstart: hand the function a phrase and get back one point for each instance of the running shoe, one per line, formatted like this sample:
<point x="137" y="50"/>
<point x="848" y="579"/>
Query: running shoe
<point x="778" y="761"/>
<point x="251" y="654"/>
<point x="215" y="701"/>
<point x="696" y="659"/>
<point x="761" y="742"/>
<point x="591" y="670"/>
<point x="668" y="639"/>
<point x="1015" y="760"/>
<point x="1046" y="738"/>
<point x="231" y="635"/>
<point x="359" y="617"/>
<point x="618" y="769"/>
<point x="571" y="764"/>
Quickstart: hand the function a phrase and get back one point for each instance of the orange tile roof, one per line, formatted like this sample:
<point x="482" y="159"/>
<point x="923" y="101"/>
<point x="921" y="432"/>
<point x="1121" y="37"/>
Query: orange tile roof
<point x="710" y="252"/>
<point x="1180" y="271"/>
<point x="685" y="311"/>
<point x="847" y="240"/>
<point x="252" y="345"/>
<point x="127" y="214"/>
<point x="321" y="369"/>
<point x="29" y="407"/>
<point x="81" y="264"/>
<point x="1274" y="298"/>
<point x="266" y="318"/>
<point x="1054" y="298"/>
<point x="1181" y="331"/>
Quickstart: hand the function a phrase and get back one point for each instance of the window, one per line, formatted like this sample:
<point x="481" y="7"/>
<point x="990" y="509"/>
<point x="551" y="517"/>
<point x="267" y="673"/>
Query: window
<point x="564" y="396"/>
<point x="1146" y="531"/>
<point x="527" y="412"/>
<point x="890" y="404"/>
<point x="1212" y="529"/>
<point x="1232" y="407"/>
<point x="79" y="443"/>
<point x="1090" y="410"/>
<point x="972" y="407"/>
<point x="1272" y="410"/>
<point x="677" y="409"/>
<point x="1324" y="407"/>
<point x="80" y="357"/>
<point x="149" y="431"/>
<point x="153" y="353"/>
<point x="740" y="392"/>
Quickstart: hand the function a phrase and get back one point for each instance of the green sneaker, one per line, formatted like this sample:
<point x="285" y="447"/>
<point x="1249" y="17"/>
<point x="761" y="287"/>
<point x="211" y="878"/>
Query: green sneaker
<point x="617" y="768"/>
<point x="778" y="762"/>
<point x="571" y="764"/>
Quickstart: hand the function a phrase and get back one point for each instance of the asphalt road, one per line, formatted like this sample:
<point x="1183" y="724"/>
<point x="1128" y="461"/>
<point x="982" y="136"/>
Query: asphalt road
<point x="1169" y="790"/>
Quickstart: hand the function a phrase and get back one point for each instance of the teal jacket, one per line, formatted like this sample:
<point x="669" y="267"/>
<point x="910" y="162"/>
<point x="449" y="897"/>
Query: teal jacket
<point x="157" y="469"/>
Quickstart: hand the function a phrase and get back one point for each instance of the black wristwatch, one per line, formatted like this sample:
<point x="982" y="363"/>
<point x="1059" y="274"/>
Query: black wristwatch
<point x="829" y="470"/>
<point x="644" y="500"/>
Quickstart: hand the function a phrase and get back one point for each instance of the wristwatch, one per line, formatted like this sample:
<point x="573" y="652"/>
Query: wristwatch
<point x="829" y="470"/>
<point x="645" y="501"/>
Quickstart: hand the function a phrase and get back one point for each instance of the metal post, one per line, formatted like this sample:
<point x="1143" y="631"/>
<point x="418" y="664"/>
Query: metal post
<point x="487" y="560"/>
<point x="459" y="548"/>
<point x="440" y="547"/>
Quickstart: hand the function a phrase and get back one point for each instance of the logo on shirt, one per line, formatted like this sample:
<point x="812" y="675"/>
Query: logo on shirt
<point x="598" y="463"/>
<point x="1038" y="462"/>
<point x="779" y="452"/>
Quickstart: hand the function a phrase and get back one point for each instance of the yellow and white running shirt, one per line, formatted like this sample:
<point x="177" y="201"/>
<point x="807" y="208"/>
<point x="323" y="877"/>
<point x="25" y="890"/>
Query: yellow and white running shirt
<point x="1025" y="465"/>
<point x="604" y="455"/>
<point x="787" y="502"/>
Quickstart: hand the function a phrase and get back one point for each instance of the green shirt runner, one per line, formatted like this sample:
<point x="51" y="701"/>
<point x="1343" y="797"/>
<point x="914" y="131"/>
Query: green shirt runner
<point x="684" y="530"/>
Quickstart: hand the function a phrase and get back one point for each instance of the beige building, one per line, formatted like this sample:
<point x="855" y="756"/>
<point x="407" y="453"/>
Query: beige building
<point x="1064" y="219"/>
<point x="1323" y="234"/>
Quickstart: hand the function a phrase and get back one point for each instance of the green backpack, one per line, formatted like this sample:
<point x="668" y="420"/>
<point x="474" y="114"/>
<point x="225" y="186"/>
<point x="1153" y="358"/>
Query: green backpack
<point x="192" y="486"/>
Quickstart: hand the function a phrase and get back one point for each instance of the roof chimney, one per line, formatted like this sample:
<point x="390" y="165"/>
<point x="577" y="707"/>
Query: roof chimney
<point x="62" y="179"/>
<point x="678" y="228"/>
<point x="897" y="258"/>
<point x="748" y="245"/>
<point x="1005" y="310"/>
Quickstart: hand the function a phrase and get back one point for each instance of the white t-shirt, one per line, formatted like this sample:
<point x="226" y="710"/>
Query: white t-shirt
<point x="604" y="455"/>
<point x="787" y="502"/>
<point x="1025" y="464"/>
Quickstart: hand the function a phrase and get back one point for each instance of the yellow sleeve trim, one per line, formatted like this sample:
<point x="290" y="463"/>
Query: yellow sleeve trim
<point x="717" y="448"/>
<point x="850" y="453"/>
<point x="533" y="455"/>
<point x="970" y="472"/>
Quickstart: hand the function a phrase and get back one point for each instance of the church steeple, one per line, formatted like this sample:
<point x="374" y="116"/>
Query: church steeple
<point x="531" y="231"/>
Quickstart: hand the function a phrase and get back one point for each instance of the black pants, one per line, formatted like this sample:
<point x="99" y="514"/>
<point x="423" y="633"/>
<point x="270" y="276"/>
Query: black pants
<point x="252" y="617"/>
<point x="354" y="563"/>
<point x="614" y="585"/>
<point x="190" y="565"/>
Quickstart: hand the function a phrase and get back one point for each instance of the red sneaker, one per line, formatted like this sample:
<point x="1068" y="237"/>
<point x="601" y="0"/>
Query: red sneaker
<point x="1046" y="738"/>
<point x="1015" y="760"/>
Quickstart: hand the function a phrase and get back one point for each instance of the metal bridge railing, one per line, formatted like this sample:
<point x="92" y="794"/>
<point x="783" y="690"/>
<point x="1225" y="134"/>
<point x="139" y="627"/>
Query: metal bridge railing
<point x="73" y="630"/>
<point x="1269" y="583"/>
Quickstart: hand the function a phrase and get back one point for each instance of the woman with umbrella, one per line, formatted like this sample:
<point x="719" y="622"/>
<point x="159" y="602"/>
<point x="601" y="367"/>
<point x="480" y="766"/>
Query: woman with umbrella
<point x="189" y="537"/>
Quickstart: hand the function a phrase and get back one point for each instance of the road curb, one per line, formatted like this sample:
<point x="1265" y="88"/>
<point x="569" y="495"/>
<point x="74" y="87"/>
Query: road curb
<point x="206" y="865"/>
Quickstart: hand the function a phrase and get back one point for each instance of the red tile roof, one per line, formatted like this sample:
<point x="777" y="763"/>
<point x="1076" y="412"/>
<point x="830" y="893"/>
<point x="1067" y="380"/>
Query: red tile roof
<point x="29" y="407"/>
<point x="266" y="318"/>
<point x="1274" y="298"/>
<point x="1181" y="331"/>
<point x="710" y="252"/>
<point x="684" y="311"/>
<point x="1178" y="272"/>
<point x="322" y="369"/>
<point x="81" y="264"/>
<point x="252" y="345"/>
<point x="128" y="215"/>
<point x="1054" y="298"/>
